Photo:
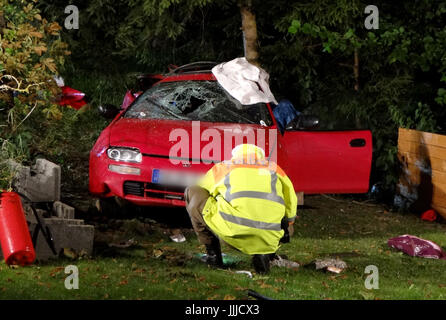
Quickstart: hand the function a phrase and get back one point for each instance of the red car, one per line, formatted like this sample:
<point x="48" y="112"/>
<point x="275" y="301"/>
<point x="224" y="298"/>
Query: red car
<point x="138" y="157"/>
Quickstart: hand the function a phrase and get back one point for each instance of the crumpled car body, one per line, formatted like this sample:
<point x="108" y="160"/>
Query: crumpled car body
<point x="137" y="158"/>
<point x="72" y="97"/>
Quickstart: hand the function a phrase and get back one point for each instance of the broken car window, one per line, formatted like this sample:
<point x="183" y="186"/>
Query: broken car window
<point x="196" y="100"/>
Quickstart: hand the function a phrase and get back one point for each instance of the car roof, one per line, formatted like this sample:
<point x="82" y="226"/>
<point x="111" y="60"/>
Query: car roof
<point x="195" y="67"/>
<point x="189" y="76"/>
<point x="200" y="70"/>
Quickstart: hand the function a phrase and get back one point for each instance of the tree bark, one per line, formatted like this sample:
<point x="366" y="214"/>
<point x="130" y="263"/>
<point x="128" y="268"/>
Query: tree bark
<point x="356" y="74"/>
<point x="249" y="27"/>
<point x="2" y="22"/>
<point x="356" y="70"/>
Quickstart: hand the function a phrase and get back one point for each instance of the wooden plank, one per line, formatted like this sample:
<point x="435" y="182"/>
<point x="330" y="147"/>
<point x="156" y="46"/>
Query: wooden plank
<point x="416" y="159"/>
<point x="423" y="150"/>
<point x="439" y="197"/>
<point x="438" y="188"/>
<point x="440" y="210"/>
<point x="416" y="175"/>
<point x="415" y="180"/>
<point x="436" y="195"/>
<point x="422" y="137"/>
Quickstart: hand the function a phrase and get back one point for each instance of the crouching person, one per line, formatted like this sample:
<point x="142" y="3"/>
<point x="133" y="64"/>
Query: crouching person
<point x="244" y="202"/>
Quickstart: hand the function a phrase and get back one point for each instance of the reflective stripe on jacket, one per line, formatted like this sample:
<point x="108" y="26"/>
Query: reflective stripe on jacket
<point x="248" y="203"/>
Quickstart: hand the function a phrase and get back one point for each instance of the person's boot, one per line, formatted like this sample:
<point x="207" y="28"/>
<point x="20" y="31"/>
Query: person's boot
<point x="214" y="257"/>
<point x="261" y="263"/>
<point x="273" y="256"/>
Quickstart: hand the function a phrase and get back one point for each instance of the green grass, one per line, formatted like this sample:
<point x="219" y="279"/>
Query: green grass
<point x="357" y="233"/>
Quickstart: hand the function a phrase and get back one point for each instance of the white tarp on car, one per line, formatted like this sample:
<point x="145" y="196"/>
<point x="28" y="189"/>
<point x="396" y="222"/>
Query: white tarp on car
<point x="244" y="81"/>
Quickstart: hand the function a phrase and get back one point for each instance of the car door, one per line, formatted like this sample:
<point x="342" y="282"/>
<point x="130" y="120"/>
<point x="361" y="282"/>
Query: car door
<point x="327" y="161"/>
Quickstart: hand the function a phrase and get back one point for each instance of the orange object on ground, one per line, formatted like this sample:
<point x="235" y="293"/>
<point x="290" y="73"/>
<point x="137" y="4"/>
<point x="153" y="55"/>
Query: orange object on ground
<point x="429" y="215"/>
<point x="15" y="239"/>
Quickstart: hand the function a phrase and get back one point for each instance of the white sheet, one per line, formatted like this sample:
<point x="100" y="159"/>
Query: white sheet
<point x="244" y="81"/>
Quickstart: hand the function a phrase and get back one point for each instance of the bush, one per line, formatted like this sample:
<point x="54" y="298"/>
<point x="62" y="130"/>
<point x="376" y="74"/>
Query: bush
<point x="30" y="53"/>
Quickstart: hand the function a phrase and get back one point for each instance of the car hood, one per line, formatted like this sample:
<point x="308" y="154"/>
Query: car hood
<point x="151" y="136"/>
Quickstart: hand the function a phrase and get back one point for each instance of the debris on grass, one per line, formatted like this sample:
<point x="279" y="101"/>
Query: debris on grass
<point x="329" y="264"/>
<point x="284" y="263"/>
<point x="157" y="253"/>
<point x="178" y="238"/>
<point x="175" y="235"/>
<point x="334" y="269"/>
<point x="123" y="244"/>
<point x="417" y="247"/>
<point x="69" y="253"/>
<point x="171" y="255"/>
<point x="248" y="273"/>
<point x="227" y="259"/>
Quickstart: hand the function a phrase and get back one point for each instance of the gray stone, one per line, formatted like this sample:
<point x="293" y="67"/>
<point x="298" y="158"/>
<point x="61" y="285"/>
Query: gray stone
<point x="63" y="210"/>
<point x="40" y="182"/>
<point x="281" y="262"/>
<point x="66" y="233"/>
<point x="330" y="262"/>
<point x="56" y="220"/>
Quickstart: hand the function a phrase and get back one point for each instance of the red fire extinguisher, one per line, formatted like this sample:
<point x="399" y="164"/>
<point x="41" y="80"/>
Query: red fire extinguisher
<point x="15" y="238"/>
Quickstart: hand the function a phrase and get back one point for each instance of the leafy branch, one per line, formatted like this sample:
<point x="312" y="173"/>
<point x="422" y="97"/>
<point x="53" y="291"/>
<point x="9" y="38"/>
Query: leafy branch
<point x="5" y="87"/>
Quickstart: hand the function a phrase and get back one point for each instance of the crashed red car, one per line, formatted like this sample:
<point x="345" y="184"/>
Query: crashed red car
<point x="132" y="158"/>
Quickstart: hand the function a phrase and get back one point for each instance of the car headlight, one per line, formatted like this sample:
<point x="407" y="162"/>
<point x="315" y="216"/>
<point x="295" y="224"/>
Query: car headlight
<point x="124" y="154"/>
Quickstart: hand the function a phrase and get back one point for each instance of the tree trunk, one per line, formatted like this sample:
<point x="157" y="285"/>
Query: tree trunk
<point x="356" y="70"/>
<point x="356" y="74"/>
<point x="249" y="27"/>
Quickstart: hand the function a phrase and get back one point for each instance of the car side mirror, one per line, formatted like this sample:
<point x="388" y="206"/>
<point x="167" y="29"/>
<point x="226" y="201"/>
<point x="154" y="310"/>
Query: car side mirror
<point x="303" y="122"/>
<point x="108" y="111"/>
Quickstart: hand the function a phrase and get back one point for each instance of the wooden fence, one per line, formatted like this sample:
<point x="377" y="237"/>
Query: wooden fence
<point x="423" y="170"/>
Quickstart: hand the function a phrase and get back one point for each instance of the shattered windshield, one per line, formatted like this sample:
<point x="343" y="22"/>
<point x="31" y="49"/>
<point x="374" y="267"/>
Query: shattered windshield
<point x="196" y="100"/>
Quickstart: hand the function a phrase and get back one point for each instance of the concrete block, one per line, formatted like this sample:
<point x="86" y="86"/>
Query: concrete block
<point x="66" y="234"/>
<point x="40" y="182"/>
<point x="63" y="210"/>
<point x="56" y="220"/>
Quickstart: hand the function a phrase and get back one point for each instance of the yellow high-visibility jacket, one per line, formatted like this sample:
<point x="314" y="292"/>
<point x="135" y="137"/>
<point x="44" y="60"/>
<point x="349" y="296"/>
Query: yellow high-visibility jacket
<point x="247" y="204"/>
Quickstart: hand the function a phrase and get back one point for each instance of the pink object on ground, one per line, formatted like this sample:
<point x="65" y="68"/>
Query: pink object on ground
<point x="417" y="247"/>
